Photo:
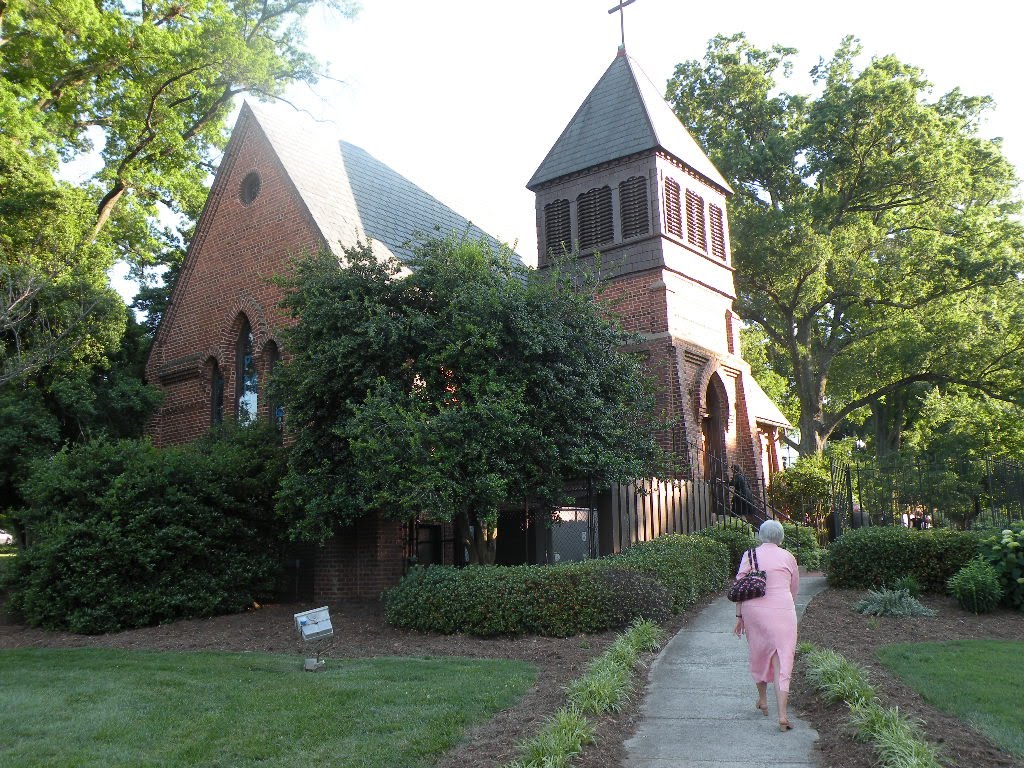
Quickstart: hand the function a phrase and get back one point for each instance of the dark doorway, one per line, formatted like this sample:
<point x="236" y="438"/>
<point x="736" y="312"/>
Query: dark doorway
<point x="712" y="427"/>
<point x="429" y="544"/>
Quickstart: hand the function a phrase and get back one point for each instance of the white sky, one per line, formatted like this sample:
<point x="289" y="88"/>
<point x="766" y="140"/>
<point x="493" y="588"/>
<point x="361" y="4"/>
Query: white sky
<point x="465" y="97"/>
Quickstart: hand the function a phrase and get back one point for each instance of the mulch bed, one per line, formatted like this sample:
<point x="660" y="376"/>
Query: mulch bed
<point x="831" y="622"/>
<point x="360" y="631"/>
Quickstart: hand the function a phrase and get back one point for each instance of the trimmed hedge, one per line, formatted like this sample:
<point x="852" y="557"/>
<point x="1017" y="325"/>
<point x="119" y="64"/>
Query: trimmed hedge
<point x="648" y="581"/>
<point x="869" y="558"/>
<point x="736" y="534"/>
<point x="691" y="567"/>
<point x="554" y="601"/>
<point x="739" y="536"/>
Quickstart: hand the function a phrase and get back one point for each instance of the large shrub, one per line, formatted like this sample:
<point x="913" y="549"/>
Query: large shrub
<point x="804" y="490"/>
<point x="869" y="558"/>
<point x="691" y="567"/>
<point x="939" y="553"/>
<point x="125" y="535"/>
<point x="1005" y="552"/>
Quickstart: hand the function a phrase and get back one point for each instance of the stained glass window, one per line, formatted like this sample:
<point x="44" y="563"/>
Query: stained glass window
<point x="247" y="386"/>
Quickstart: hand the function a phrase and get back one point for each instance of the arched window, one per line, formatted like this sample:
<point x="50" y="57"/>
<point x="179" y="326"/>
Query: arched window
<point x="216" y="394"/>
<point x="247" y="379"/>
<point x="276" y="409"/>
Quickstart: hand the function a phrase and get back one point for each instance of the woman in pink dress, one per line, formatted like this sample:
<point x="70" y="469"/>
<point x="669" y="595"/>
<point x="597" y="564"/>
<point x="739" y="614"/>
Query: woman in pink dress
<point x="769" y="622"/>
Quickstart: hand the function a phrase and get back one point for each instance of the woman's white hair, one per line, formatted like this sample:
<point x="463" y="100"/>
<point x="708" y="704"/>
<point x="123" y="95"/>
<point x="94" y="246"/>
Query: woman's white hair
<point x="771" y="532"/>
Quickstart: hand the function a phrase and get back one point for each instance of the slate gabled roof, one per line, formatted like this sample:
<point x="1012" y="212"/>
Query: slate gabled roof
<point x="393" y="210"/>
<point x="624" y="114"/>
<point x="352" y="195"/>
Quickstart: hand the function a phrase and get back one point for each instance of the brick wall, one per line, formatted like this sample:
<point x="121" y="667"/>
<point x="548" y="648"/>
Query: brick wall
<point x="237" y="248"/>
<point x="362" y="561"/>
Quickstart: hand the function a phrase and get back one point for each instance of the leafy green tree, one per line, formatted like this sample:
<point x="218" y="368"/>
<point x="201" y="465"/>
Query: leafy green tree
<point x="70" y="404"/>
<point x="764" y="365"/>
<point x="453" y="390"/>
<point x="150" y="86"/>
<point x="874" y="230"/>
<point x="145" y="88"/>
<point x="958" y="424"/>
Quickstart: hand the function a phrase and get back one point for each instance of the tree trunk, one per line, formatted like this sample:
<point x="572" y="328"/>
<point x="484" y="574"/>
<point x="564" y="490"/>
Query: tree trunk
<point x="810" y="390"/>
<point x="887" y="414"/>
<point x="481" y="539"/>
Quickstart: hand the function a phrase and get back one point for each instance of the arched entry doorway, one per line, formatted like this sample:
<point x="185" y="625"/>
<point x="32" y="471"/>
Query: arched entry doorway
<point x="712" y="426"/>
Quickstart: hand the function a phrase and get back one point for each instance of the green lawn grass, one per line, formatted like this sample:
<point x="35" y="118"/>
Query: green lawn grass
<point x="979" y="681"/>
<point x="91" y="707"/>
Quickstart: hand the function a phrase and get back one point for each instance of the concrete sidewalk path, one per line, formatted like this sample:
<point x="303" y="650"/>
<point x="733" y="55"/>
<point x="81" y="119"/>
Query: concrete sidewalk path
<point x="698" y="710"/>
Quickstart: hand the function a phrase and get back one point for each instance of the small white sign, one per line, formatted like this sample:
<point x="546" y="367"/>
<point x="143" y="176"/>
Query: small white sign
<point x="314" y="624"/>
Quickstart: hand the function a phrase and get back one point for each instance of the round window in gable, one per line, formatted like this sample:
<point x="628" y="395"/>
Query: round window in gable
<point x="250" y="188"/>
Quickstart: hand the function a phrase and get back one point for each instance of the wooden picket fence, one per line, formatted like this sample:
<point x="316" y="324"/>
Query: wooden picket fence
<point x="645" y="509"/>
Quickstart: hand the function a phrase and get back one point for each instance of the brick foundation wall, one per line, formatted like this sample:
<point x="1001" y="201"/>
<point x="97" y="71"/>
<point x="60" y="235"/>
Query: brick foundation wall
<point x="362" y="561"/>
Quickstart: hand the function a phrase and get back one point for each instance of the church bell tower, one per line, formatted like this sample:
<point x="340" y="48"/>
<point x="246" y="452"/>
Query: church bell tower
<point x="627" y="181"/>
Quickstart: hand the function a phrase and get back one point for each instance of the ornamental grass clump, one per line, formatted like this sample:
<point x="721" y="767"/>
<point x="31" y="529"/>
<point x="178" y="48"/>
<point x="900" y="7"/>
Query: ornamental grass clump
<point x="976" y="586"/>
<point x="606" y="687"/>
<point x="897" y="741"/>
<point x="559" y="741"/>
<point x="837" y="678"/>
<point x="891" y="602"/>
<point x="608" y="683"/>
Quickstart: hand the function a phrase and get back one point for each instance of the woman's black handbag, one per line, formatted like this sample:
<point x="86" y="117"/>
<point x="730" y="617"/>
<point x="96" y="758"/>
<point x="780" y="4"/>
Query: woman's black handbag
<point x="752" y="584"/>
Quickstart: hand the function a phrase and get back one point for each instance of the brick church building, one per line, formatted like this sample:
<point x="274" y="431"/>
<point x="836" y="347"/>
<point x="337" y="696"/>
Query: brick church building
<point x="624" y="179"/>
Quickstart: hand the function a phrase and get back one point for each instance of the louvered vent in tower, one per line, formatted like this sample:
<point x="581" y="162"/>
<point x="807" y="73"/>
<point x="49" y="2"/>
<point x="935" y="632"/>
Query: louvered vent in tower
<point x="594" y="214"/>
<point x="696" y="234"/>
<point x="717" y="231"/>
<point x="633" y="206"/>
<point x="673" y="209"/>
<point x="557" y="227"/>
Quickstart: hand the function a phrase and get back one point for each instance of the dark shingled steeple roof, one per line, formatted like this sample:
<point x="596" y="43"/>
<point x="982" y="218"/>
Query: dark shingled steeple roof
<point x="624" y="114"/>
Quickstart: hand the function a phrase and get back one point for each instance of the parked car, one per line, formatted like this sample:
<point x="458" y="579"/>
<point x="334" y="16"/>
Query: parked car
<point x="6" y="538"/>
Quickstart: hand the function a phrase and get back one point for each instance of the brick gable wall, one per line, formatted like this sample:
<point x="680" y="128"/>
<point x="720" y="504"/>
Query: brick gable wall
<point x="236" y="250"/>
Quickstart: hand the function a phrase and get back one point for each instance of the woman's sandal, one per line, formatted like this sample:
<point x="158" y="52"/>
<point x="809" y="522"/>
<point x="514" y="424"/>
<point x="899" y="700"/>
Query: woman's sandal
<point x="784" y="725"/>
<point x="763" y="708"/>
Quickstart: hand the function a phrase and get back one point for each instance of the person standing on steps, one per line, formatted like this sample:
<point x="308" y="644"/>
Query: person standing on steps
<point x="742" y="496"/>
<point x="769" y="622"/>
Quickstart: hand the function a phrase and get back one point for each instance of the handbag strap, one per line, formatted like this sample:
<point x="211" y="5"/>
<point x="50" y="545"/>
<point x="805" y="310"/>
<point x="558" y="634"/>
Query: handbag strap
<point x="752" y="559"/>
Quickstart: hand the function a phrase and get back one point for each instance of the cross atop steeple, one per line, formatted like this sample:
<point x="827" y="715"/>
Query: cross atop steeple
<point x="622" y="20"/>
